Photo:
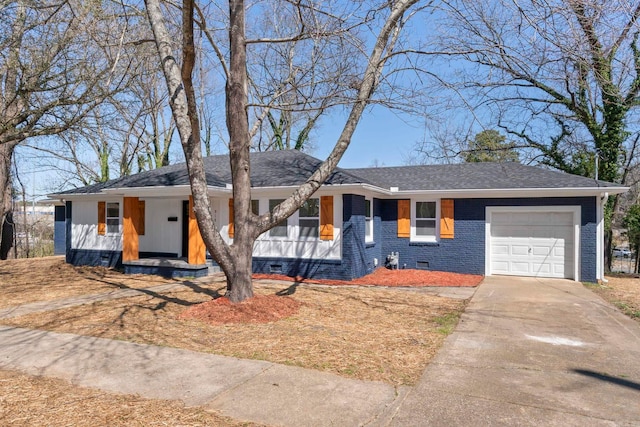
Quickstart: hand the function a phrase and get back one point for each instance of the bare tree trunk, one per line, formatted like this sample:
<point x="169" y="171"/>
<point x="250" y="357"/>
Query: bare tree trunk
<point x="239" y="285"/>
<point x="6" y="155"/>
<point x="236" y="260"/>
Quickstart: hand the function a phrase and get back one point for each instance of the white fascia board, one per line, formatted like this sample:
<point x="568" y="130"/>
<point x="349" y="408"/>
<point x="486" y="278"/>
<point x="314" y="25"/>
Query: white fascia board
<point x="166" y="191"/>
<point x="515" y="192"/>
<point x="333" y="188"/>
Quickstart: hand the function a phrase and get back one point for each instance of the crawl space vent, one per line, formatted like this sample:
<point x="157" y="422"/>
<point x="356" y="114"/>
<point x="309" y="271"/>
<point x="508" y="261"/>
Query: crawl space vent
<point x="275" y="268"/>
<point x="422" y="265"/>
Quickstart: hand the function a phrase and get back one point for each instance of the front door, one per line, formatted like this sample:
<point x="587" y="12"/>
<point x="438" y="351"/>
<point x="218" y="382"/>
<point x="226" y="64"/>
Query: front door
<point x="185" y="229"/>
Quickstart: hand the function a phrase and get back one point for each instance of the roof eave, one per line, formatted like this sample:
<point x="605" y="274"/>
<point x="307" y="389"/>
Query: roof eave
<point x="516" y="192"/>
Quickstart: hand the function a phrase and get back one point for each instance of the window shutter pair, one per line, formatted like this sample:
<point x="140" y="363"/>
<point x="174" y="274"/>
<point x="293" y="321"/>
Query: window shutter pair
<point x="102" y="218"/>
<point x="326" y="218"/>
<point x="446" y="219"/>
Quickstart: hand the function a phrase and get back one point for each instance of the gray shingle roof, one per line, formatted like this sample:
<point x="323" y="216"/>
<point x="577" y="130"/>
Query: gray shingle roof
<point x="291" y="167"/>
<point x="268" y="169"/>
<point x="471" y="176"/>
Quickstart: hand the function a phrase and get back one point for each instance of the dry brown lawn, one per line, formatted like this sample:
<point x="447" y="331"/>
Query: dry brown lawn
<point x="623" y="291"/>
<point x="363" y="333"/>
<point x="45" y="279"/>
<point x="34" y="401"/>
<point x="368" y="333"/>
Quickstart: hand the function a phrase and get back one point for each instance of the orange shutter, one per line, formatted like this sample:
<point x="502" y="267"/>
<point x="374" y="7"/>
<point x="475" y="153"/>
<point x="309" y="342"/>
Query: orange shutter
<point x="326" y="218"/>
<point x="141" y="216"/>
<point x="197" y="250"/>
<point x="130" y="221"/>
<point x="231" y="227"/>
<point x="446" y="219"/>
<point x="404" y="218"/>
<point x="102" y="218"/>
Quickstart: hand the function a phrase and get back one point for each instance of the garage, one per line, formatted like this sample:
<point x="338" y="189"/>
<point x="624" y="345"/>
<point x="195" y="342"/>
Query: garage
<point x="532" y="241"/>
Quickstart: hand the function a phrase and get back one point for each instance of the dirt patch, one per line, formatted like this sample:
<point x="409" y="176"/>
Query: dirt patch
<point x="45" y="279"/>
<point x="386" y="277"/>
<point x="259" y="309"/>
<point x="35" y="401"/>
<point x="623" y="291"/>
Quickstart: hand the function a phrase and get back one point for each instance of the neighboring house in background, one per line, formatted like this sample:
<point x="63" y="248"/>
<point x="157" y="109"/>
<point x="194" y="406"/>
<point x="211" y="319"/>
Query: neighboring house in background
<point x="477" y="218"/>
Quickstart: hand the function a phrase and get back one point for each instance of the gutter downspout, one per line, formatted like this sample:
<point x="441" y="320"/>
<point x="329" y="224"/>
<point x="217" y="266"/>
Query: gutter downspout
<point x="602" y="201"/>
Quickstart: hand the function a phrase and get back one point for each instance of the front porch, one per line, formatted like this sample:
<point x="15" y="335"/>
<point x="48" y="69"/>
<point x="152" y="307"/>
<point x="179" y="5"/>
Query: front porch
<point x="169" y="267"/>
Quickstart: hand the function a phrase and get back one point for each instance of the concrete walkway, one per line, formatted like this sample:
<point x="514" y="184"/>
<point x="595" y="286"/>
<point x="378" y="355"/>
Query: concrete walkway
<point x="532" y="352"/>
<point x="527" y="352"/>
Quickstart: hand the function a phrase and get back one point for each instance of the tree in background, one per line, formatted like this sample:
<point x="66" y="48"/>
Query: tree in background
<point x="335" y="21"/>
<point x="59" y="60"/>
<point x="131" y="129"/>
<point x="490" y="146"/>
<point x="562" y="77"/>
<point x="632" y="223"/>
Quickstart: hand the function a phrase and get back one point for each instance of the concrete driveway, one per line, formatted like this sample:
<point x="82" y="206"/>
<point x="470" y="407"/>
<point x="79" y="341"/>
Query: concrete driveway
<point x="532" y="352"/>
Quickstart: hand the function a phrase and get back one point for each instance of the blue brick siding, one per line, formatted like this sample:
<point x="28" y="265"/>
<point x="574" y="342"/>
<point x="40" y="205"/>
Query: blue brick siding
<point x="94" y="257"/>
<point x="67" y="235"/>
<point x="59" y="231"/>
<point x="172" y="272"/>
<point x="465" y="252"/>
<point x="308" y="268"/>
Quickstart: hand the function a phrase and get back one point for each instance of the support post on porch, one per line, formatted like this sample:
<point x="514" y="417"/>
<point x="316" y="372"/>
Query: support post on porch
<point x="197" y="250"/>
<point x="130" y="238"/>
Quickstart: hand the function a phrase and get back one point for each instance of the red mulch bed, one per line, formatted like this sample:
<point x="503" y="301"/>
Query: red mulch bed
<point x="259" y="309"/>
<point x="386" y="277"/>
<point x="270" y="308"/>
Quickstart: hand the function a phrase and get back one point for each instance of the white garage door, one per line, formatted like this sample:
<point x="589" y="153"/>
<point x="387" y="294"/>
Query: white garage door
<point x="532" y="243"/>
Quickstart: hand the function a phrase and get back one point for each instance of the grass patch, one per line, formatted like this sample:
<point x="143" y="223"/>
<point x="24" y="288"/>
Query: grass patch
<point x="447" y="322"/>
<point x="622" y="291"/>
<point x="627" y="309"/>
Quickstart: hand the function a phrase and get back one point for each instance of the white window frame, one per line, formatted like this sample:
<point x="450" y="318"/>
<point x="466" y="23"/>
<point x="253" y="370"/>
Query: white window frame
<point x="311" y="218"/>
<point x="286" y="221"/>
<point x="368" y="220"/>
<point x="414" y="236"/>
<point x="108" y="230"/>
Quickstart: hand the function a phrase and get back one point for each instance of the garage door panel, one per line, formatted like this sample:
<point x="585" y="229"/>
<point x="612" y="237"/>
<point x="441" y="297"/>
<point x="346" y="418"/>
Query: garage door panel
<point x="500" y="249"/>
<point x="559" y="252"/>
<point x="532" y="243"/>
<point x="520" y="250"/>
<point x="540" y="251"/>
<point x="501" y="267"/>
<point x="510" y="231"/>
<point x="520" y="268"/>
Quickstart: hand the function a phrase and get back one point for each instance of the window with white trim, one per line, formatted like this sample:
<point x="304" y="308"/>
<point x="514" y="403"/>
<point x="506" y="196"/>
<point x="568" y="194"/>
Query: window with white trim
<point x="255" y="206"/>
<point x="309" y="219"/>
<point x="368" y="218"/>
<point x="113" y="218"/>
<point x="424" y="218"/>
<point x="280" y="230"/>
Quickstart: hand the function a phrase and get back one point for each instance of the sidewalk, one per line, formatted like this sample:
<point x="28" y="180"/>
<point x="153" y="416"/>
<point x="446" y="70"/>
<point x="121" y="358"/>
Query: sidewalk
<point x="532" y="352"/>
<point x="242" y="389"/>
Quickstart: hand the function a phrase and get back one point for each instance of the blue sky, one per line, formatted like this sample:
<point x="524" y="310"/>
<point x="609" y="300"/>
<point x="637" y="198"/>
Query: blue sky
<point x="381" y="136"/>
